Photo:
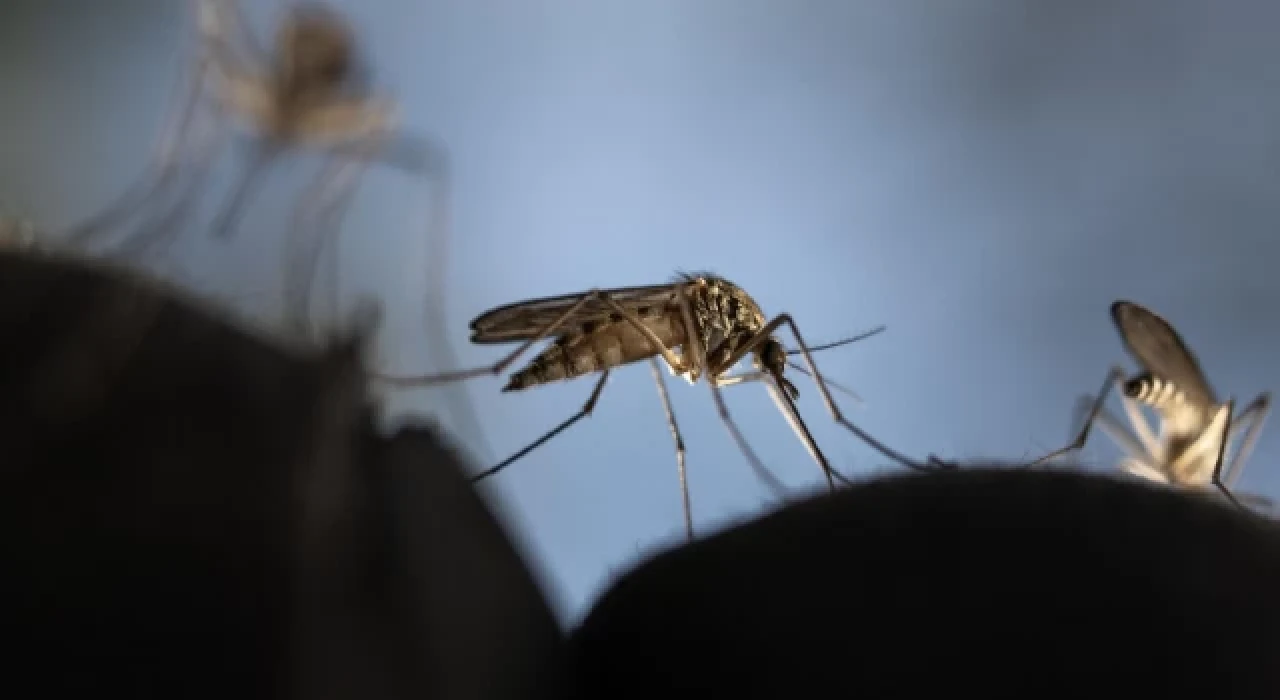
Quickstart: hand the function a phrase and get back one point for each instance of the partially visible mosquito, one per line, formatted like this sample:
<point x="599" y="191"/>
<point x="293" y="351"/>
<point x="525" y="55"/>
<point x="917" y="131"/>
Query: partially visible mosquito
<point x="21" y="234"/>
<point x="699" y="325"/>
<point x="17" y="233"/>
<point x="309" y="93"/>
<point x="1190" y="447"/>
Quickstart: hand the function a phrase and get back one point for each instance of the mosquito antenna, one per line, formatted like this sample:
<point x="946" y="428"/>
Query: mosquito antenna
<point x="830" y="383"/>
<point x="838" y="343"/>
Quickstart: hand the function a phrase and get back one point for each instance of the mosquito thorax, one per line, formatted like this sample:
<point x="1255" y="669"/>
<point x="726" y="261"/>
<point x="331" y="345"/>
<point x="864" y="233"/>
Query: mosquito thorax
<point x="315" y="50"/>
<point x="725" y="314"/>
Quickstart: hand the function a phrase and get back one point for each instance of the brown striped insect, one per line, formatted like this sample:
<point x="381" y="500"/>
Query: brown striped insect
<point x="1190" y="446"/>
<point x="309" y="91"/>
<point x="700" y="326"/>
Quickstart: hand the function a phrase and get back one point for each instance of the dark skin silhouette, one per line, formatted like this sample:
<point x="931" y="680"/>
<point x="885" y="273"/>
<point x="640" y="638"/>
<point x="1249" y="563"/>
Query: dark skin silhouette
<point x="189" y="511"/>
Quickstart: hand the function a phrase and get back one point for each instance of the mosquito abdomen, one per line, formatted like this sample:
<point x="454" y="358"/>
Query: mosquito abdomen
<point x="1154" y="391"/>
<point x="592" y="349"/>
<point x="1185" y="417"/>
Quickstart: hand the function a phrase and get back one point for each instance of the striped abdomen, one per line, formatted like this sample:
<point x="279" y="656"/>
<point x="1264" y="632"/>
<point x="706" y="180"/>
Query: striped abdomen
<point x="1155" y="392"/>
<point x="1184" y="417"/>
<point x="595" y="348"/>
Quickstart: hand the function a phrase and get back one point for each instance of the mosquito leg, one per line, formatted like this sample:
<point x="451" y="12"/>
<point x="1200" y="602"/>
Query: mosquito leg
<point x="166" y="160"/>
<point x="158" y="233"/>
<point x="317" y="223"/>
<point x="1114" y="376"/>
<point x="736" y="379"/>
<point x="788" y="409"/>
<point x="1142" y="470"/>
<point x="827" y="400"/>
<point x="762" y="472"/>
<point x="1256" y="502"/>
<point x="1139" y="461"/>
<point x="330" y="227"/>
<point x="229" y="217"/>
<point x="1202" y="443"/>
<point x="433" y="163"/>
<point x="1254" y="416"/>
<point x="439" y="235"/>
<point x="1141" y="427"/>
<point x="934" y="462"/>
<point x="679" y="441"/>
<point x="1125" y="439"/>
<point x="146" y="188"/>
<point x="585" y="411"/>
<point x="782" y="401"/>
<point x="224" y="32"/>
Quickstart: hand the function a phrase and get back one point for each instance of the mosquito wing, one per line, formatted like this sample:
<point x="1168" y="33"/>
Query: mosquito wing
<point x="524" y="320"/>
<point x="1160" y="350"/>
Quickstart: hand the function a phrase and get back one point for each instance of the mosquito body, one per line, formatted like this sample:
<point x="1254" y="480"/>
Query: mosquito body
<point x="725" y="316"/>
<point x="1189" y="448"/>
<point x="306" y="92"/>
<point x="700" y="326"/>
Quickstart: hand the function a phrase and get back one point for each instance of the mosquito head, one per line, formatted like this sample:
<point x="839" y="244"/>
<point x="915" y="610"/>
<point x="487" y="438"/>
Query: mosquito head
<point x="771" y="357"/>
<point x="315" y="49"/>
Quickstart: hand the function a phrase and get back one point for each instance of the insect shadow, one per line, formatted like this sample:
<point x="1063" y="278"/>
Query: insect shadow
<point x="309" y="91"/>
<point x="1189" y="448"/>
<point x="700" y="326"/>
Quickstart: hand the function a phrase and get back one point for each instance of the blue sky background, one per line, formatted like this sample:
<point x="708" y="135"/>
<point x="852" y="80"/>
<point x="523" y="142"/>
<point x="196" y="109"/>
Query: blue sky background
<point x="983" y="177"/>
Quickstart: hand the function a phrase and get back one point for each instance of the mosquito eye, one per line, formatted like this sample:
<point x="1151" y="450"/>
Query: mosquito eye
<point x="773" y="356"/>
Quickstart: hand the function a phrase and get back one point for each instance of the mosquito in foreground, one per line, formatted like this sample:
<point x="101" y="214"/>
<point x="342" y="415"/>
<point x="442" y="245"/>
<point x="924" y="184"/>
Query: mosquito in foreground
<point x="309" y="92"/>
<point x="700" y="325"/>
<point x="1195" y="429"/>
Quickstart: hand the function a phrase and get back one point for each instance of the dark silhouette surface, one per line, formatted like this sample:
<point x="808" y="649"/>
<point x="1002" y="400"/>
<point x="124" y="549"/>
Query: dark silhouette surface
<point x="1012" y="583"/>
<point x="191" y="511"/>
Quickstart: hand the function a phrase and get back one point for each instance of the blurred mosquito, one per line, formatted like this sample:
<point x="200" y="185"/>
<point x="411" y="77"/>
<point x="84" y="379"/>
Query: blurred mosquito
<point x="309" y="92"/>
<point x="1191" y="446"/>
<point x="700" y="325"/>
<point x="17" y="233"/>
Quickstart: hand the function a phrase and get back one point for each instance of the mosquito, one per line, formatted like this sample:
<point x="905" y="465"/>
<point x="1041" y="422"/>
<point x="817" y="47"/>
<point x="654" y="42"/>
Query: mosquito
<point x="307" y="92"/>
<point x="1191" y="446"/>
<point x="701" y="325"/>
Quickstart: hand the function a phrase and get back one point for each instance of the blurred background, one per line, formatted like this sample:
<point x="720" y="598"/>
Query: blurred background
<point x="983" y="177"/>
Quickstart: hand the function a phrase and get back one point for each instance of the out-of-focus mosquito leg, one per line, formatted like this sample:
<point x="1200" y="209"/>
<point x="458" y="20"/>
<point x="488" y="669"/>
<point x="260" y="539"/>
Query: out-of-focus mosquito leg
<point x="681" y="469"/>
<point x="585" y="411"/>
